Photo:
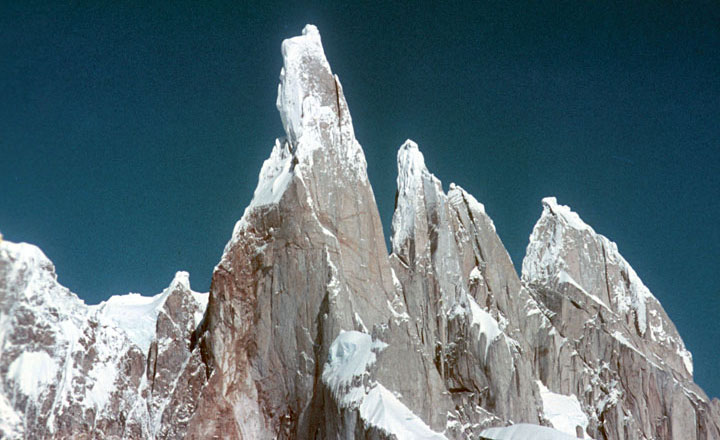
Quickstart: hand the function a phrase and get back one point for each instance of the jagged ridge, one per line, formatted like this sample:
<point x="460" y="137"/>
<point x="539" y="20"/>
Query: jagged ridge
<point x="312" y="331"/>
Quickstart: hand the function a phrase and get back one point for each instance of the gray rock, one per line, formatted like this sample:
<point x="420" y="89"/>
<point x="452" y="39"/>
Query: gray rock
<point x="462" y="294"/>
<point x="619" y="352"/>
<point x="307" y="261"/>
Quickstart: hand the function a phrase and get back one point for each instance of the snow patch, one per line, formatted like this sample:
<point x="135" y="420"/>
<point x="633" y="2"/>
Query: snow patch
<point x="487" y="325"/>
<point x="611" y="399"/>
<point x="623" y="340"/>
<point x="381" y="409"/>
<point x="359" y="322"/>
<point x="104" y="376"/>
<point x="32" y="371"/>
<point x="350" y="356"/>
<point x="411" y="169"/>
<point x="550" y="206"/>
<point x="564" y="278"/>
<point x="686" y="358"/>
<point x="475" y="275"/>
<point x="563" y="411"/>
<point x="11" y="423"/>
<point x="639" y="295"/>
<point x="274" y="178"/>
<point x="399" y="316"/>
<point x="134" y="314"/>
<point x="525" y="431"/>
<point x="202" y="300"/>
<point x="396" y="282"/>
<point x="333" y="285"/>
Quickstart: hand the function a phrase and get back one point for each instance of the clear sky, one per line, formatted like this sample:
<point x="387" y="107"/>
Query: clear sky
<point x="131" y="136"/>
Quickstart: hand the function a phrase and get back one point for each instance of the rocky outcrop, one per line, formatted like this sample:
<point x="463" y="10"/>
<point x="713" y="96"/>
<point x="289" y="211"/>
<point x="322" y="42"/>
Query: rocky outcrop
<point x="463" y="296"/>
<point x="311" y="330"/>
<point x="69" y="370"/>
<point x="306" y="262"/>
<point x="618" y="351"/>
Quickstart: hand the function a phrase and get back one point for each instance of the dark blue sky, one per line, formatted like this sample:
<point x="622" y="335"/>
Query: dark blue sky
<point x="131" y="136"/>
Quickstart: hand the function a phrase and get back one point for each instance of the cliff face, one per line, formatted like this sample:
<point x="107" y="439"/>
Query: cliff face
<point x="617" y="349"/>
<point x="312" y="330"/>
<point x="306" y="262"/>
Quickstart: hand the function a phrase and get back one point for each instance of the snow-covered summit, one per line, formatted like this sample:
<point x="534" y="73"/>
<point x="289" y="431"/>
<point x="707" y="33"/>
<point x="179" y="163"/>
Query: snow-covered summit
<point x="553" y="245"/>
<point x="71" y="365"/>
<point x="564" y="249"/>
<point x="26" y="256"/>
<point x="411" y="162"/>
<point x="411" y="169"/>
<point x="563" y="212"/>
<point x="28" y="275"/>
<point x="319" y="135"/>
<point x="298" y="102"/>
<point x="412" y="176"/>
<point x="565" y="253"/>
<point x="136" y="315"/>
<point x="180" y="280"/>
<point x="304" y="67"/>
<point x="312" y="105"/>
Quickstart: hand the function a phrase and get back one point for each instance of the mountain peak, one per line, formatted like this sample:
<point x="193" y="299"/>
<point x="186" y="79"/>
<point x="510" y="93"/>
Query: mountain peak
<point x="310" y="29"/>
<point x="411" y="163"/>
<point x="307" y="85"/>
<point x="312" y="106"/>
<point x="411" y="174"/>
<point x="568" y="216"/>
<point x="409" y="144"/>
<point x="315" y="117"/>
<point x="566" y="255"/>
<point x="180" y="280"/>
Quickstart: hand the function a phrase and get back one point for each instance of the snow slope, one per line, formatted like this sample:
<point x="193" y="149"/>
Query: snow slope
<point x="525" y="431"/>
<point x="347" y="374"/>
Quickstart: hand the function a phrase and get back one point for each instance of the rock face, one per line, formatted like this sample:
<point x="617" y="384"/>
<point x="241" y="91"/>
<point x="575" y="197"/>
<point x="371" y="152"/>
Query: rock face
<point x="463" y="296"/>
<point x="617" y="350"/>
<point x="306" y="262"/>
<point x="312" y="330"/>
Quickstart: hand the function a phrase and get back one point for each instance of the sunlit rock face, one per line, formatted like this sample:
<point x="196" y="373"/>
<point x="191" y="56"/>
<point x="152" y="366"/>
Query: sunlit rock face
<point x="312" y="331"/>
<point x="306" y="262"/>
